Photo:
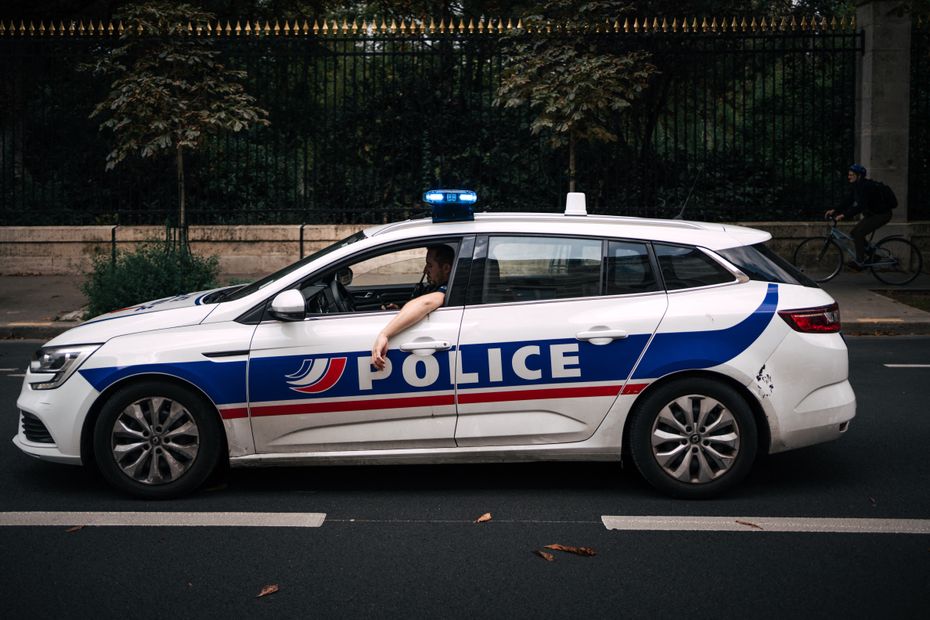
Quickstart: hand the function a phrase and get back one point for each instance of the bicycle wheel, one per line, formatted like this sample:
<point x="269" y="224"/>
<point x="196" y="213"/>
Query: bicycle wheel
<point x="898" y="261"/>
<point x="819" y="258"/>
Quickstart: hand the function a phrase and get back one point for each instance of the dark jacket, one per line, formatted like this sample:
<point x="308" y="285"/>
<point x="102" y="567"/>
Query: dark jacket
<point x="865" y="198"/>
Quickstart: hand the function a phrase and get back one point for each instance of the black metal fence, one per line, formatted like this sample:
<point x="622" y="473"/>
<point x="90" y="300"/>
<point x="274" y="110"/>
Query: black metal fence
<point x="918" y="190"/>
<point x="741" y="122"/>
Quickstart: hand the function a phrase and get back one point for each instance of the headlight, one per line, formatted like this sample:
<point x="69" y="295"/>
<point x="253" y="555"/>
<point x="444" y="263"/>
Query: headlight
<point x="59" y="362"/>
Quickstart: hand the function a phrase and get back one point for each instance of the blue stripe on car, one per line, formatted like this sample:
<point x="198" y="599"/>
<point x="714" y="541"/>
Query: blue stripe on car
<point x="703" y="349"/>
<point x="225" y="382"/>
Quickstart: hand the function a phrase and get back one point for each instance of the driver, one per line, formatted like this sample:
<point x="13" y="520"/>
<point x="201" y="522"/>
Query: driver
<point x="439" y="259"/>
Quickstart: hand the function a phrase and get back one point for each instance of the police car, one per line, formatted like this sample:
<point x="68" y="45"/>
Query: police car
<point x="686" y="347"/>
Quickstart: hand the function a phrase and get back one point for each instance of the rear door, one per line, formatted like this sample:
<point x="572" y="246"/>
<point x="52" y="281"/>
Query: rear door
<point x="553" y="327"/>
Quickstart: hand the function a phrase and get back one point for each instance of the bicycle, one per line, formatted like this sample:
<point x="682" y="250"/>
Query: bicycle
<point x="893" y="260"/>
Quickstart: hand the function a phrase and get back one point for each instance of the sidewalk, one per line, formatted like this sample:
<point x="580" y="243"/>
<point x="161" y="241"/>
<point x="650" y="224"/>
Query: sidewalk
<point x="40" y="307"/>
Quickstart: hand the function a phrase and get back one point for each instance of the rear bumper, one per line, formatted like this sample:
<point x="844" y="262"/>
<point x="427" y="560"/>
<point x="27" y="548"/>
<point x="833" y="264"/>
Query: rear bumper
<point x="822" y="416"/>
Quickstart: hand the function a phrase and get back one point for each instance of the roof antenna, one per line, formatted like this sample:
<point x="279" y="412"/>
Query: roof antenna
<point x="681" y="213"/>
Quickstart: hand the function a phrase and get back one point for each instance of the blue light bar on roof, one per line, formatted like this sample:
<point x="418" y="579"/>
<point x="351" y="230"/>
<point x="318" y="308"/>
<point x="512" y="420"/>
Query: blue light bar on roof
<point x="451" y="205"/>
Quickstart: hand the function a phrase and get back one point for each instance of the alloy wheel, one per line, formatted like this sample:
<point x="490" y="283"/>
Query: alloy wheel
<point x="155" y="440"/>
<point x="695" y="439"/>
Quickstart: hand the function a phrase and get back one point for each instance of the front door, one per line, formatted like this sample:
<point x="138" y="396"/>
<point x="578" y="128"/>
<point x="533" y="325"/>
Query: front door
<point x="312" y="388"/>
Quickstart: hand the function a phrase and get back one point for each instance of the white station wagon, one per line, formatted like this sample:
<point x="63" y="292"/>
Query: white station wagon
<point x="688" y="346"/>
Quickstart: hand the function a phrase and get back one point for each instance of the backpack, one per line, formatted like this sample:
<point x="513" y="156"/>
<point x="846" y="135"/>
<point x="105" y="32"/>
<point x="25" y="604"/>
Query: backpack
<point x="886" y="198"/>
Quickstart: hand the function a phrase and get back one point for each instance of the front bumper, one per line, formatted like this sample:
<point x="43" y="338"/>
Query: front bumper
<point x="62" y="411"/>
<point x="44" y="451"/>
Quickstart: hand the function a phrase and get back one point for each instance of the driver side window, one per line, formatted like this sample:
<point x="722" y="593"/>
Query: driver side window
<point x="378" y="282"/>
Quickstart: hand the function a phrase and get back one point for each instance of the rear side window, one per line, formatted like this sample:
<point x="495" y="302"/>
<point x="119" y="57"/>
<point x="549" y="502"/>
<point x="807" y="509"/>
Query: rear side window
<point x="629" y="269"/>
<point x="539" y="268"/>
<point x="688" y="267"/>
<point x="760" y="263"/>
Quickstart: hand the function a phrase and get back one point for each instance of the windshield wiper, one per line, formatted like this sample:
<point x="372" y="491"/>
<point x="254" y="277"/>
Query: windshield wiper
<point x="220" y="295"/>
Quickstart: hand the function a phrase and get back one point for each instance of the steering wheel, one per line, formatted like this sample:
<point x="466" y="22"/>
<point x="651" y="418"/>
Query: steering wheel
<point x="340" y="297"/>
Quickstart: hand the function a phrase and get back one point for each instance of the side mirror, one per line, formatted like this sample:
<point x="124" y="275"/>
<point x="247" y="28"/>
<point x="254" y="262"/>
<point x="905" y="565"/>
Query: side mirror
<point x="288" y="306"/>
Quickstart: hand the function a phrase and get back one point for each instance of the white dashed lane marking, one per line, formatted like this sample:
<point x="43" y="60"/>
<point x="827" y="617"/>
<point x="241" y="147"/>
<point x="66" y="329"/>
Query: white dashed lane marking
<point x="163" y="519"/>
<point x="769" y="524"/>
<point x="316" y="519"/>
<point x="907" y="365"/>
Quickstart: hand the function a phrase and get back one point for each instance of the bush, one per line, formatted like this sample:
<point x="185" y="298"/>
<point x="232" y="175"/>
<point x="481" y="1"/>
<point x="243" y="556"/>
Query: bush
<point x="153" y="270"/>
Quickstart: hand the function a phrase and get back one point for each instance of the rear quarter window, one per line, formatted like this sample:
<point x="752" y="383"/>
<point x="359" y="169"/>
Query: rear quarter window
<point x="759" y="262"/>
<point x="688" y="267"/>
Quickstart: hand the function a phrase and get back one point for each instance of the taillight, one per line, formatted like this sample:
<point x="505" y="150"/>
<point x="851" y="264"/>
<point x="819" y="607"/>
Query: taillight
<point x="822" y="320"/>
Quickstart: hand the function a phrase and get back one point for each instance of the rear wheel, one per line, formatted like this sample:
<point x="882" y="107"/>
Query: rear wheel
<point x="693" y="438"/>
<point x="157" y="440"/>
<point x="897" y="261"/>
<point x="819" y="258"/>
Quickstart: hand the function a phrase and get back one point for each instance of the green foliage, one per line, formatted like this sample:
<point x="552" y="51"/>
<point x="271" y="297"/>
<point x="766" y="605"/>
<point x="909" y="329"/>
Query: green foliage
<point x="169" y="90"/>
<point x="154" y="270"/>
<point x="574" y="85"/>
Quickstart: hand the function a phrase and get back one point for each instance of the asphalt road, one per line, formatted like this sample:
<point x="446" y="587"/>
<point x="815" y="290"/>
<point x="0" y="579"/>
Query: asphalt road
<point x="402" y="542"/>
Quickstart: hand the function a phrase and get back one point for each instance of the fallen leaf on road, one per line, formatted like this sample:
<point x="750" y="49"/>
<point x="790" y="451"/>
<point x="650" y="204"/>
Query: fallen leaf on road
<point x="485" y="517"/>
<point x="76" y="528"/>
<point x="269" y="589"/>
<point x="748" y="524"/>
<point x="546" y="556"/>
<point x="588" y="551"/>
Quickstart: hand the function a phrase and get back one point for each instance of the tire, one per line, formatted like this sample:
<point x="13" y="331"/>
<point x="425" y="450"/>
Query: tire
<point x="157" y="440"/>
<point x="819" y="258"/>
<point x="687" y="459"/>
<point x="901" y="258"/>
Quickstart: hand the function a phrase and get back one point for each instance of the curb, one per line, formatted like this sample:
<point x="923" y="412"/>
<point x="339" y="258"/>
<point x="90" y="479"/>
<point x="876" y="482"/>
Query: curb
<point x="885" y="327"/>
<point x="35" y="331"/>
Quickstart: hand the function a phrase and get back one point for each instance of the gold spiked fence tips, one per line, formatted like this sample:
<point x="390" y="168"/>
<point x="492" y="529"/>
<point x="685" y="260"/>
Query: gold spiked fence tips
<point x="456" y="25"/>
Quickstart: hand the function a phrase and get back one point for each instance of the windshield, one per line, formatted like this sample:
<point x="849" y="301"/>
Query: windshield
<point x="277" y="275"/>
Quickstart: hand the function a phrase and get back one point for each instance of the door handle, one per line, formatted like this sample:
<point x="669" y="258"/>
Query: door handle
<point x="601" y="335"/>
<point x="425" y="347"/>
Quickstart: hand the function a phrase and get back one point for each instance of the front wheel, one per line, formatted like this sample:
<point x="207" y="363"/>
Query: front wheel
<point x="157" y="440"/>
<point x="819" y="258"/>
<point x="896" y="261"/>
<point x="693" y="438"/>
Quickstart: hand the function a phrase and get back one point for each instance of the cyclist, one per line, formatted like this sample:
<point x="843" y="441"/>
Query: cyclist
<point x="866" y="198"/>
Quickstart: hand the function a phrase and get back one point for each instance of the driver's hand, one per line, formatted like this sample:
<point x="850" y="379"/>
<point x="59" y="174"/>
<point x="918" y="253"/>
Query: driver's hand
<point x="829" y="213"/>
<point x="839" y="216"/>
<point x="379" y="351"/>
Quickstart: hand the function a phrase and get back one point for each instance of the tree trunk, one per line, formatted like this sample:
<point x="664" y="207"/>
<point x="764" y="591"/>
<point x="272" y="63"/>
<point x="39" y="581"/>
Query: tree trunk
<point x="571" y="161"/>
<point x="182" y="216"/>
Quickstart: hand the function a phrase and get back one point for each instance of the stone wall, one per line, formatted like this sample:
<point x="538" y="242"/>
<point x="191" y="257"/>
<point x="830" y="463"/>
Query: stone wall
<point x="249" y="251"/>
<point x="242" y="250"/>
